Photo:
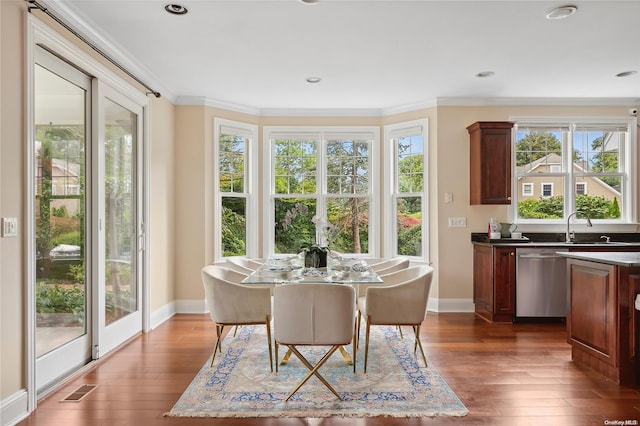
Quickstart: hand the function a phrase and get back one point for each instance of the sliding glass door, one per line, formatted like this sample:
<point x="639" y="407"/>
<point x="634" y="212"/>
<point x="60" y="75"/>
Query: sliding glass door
<point x="86" y="218"/>
<point x="62" y="237"/>
<point x="119" y="233"/>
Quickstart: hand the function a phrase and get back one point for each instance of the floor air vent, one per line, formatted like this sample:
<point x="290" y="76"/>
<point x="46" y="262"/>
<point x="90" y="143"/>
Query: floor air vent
<point x="79" y="393"/>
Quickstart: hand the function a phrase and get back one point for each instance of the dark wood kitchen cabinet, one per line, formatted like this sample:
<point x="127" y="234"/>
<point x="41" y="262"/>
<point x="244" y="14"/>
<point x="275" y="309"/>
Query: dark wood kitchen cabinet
<point x="602" y="325"/>
<point x="490" y="162"/>
<point x="494" y="282"/>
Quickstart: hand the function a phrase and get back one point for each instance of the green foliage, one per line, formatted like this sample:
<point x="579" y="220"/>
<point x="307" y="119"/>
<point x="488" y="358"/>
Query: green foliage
<point x="294" y="227"/>
<point x="594" y="207"/>
<point x="543" y="208"/>
<point x="59" y="212"/>
<point x="234" y="227"/>
<point x="231" y="163"/>
<point x="410" y="241"/>
<point x="71" y="238"/>
<point x="410" y="173"/>
<point x="76" y="273"/>
<point x="60" y="299"/>
<point x="536" y="145"/>
<point x="614" y="210"/>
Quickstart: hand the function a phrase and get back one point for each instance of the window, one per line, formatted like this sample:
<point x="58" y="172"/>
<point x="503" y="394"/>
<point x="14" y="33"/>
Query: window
<point x="567" y="157"/>
<point x="546" y="189"/>
<point x="232" y="175"/>
<point x="408" y="152"/>
<point x="527" y="189"/>
<point x="321" y="188"/>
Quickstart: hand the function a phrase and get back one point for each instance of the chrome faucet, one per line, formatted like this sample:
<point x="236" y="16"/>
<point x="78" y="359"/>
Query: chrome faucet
<point x="570" y="235"/>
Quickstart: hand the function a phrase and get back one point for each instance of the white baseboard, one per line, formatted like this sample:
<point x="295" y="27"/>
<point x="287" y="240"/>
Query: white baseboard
<point x="163" y="314"/>
<point x="188" y="306"/>
<point x="14" y="408"/>
<point x="450" y="305"/>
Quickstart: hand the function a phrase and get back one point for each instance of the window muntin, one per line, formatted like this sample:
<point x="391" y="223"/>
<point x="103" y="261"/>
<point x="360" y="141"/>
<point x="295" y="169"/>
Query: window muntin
<point x="575" y="156"/>
<point x="295" y="165"/>
<point x="546" y="190"/>
<point x="321" y="174"/>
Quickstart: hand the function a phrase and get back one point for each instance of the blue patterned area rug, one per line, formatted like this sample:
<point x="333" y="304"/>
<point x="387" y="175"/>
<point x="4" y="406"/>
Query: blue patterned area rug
<point x="240" y="383"/>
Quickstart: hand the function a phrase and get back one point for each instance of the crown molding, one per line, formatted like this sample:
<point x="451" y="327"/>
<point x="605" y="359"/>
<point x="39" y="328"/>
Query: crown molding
<point x="409" y="107"/>
<point x="321" y="112"/>
<point x="620" y="102"/>
<point x="215" y="103"/>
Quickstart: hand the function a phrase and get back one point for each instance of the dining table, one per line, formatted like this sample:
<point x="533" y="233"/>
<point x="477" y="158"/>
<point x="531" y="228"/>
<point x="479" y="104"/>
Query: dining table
<point x="282" y="269"/>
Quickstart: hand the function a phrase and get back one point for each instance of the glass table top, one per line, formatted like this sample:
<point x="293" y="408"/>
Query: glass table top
<point x="282" y="268"/>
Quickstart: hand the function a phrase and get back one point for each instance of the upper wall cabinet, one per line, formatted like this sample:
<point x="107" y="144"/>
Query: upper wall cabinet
<point x="490" y="155"/>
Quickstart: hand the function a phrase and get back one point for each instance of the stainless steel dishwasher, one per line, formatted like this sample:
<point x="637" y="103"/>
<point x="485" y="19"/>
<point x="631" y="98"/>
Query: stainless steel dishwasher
<point x="541" y="283"/>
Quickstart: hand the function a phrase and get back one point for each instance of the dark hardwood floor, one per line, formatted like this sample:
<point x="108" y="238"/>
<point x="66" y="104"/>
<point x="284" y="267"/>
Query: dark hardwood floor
<point x="505" y="374"/>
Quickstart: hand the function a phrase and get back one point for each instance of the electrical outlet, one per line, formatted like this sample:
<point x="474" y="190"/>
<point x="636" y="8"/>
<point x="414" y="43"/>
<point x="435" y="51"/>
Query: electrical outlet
<point x="457" y="222"/>
<point x="9" y="227"/>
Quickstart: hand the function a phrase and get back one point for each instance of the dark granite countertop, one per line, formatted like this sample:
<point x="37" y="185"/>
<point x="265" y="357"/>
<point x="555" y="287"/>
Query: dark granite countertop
<point x="557" y="239"/>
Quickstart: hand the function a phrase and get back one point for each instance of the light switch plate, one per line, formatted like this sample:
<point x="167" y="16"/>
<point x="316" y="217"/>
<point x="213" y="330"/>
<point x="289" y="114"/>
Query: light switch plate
<point x="9" y="227"/>
<point x="457" y="222"/>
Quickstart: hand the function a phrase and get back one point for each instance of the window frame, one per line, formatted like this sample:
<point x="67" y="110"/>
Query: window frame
<point x="321" y="195"/>
<point x="542" y="189"/>
<point x="531" y="191"/>
<point x="391" y="194"/>
<point x="628" y="162"/>
<point x="250" y="132"/>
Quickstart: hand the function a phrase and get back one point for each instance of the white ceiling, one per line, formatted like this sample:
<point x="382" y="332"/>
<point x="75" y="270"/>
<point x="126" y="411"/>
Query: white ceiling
<point x="373" y="55"/>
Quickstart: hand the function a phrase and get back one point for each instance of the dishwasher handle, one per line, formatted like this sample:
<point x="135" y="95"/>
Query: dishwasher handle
<point x="539" y="256"/>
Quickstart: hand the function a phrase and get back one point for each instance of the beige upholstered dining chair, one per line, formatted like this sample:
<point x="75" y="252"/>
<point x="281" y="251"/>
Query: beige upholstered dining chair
<point x="404" y="302"/>
<point x="389" y="265"/>
<point x="236" y="266"/>
<point x="245" y="262"/>
<point x="319" y="314"/>
<point x="382" y="268"/>
<point x="231" y="303"/>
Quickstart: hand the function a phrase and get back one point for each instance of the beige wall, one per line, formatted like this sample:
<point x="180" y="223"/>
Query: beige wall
<point x="162" y="203"/>
<point x="12" y="354"/>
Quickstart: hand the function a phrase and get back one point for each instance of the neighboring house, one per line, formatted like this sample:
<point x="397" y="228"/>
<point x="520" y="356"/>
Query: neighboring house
<point x="65" y="184"/>
<point x="534" y="180"/>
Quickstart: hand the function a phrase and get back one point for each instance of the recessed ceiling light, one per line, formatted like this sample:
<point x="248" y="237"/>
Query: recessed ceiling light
<point x="176" y="9"/>
<point x="314" y="80"/>
<point x="309" y="1"/>
<point x="485" y="74"/>
<point x="626" y="73"/>
<point x="561" y="12"/>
